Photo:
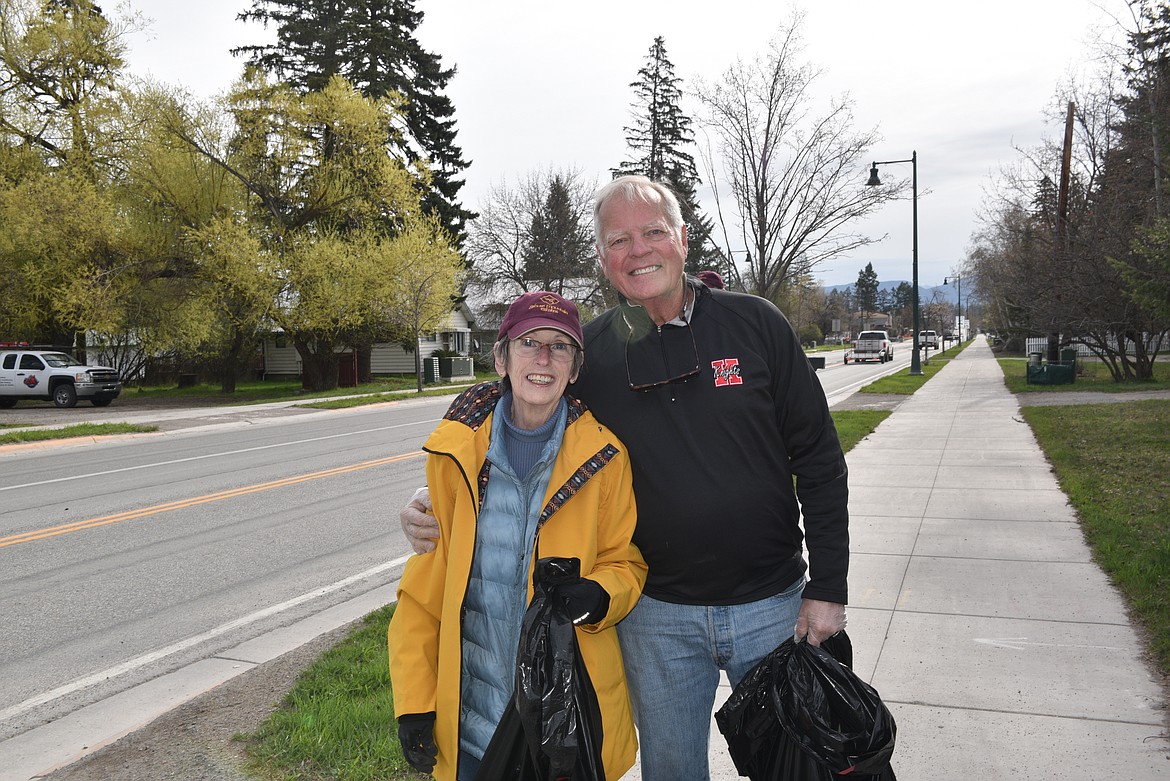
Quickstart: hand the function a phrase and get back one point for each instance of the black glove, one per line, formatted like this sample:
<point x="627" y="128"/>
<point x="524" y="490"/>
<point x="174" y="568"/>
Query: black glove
<point x="585" y="601"/>
<point x="416" y="733"/>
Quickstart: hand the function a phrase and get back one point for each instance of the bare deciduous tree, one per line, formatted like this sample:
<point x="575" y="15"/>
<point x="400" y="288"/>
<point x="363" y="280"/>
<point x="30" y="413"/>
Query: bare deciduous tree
<point x="794" y="176"/>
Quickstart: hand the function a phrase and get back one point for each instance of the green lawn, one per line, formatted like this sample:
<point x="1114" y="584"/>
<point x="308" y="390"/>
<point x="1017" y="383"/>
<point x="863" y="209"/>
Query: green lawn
<point x="1091" y="376"/>
<point x="79" y="430"/>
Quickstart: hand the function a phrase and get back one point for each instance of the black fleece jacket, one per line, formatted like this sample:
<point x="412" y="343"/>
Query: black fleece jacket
<point x="714" y="455"/>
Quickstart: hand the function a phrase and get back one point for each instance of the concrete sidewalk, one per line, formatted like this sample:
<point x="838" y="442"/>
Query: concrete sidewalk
<point x="977" y="613"/>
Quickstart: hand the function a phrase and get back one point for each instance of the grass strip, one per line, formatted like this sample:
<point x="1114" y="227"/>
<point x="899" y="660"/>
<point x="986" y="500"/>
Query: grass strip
<point x="78" y="430"/>
<point x="1113" y="462"/>
<point x="857" y="424"/>
<point x="261" y="391"/>
<point x="338" y="720"/>
<point x="904" y="384"/>
<point x="380" y="398"/>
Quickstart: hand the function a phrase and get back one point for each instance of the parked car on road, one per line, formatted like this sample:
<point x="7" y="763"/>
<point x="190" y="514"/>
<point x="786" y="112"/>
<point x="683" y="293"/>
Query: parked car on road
<point x="928" y="339"/>
<point x="27" y="373"/>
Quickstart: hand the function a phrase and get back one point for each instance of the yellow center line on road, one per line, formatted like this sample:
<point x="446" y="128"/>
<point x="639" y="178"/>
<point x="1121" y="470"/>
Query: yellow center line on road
<point x="40" y="534"/>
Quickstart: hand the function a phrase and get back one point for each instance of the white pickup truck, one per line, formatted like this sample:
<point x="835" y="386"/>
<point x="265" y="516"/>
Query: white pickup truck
<point x="27" y="373"/>
<point x="871" y="346"/>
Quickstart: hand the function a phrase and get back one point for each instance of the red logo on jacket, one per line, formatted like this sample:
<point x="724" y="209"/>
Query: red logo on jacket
<point x="726" y="372"/>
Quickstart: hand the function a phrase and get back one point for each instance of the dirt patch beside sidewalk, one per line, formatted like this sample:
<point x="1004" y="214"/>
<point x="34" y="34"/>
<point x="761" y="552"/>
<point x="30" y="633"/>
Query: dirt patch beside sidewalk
<point x="197" y="741"/>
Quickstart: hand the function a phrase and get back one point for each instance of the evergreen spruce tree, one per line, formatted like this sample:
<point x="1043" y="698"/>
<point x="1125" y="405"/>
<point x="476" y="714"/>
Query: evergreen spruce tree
<point x="372" y="44"/>
<point x="560" y="250"/>
<point x="866" y="289"/>
<point x="658" y="138"/>
<point x="1144" y="134"/>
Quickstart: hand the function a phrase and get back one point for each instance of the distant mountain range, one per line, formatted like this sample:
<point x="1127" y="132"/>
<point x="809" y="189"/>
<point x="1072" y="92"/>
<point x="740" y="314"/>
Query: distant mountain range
<point x="925" y="294"/>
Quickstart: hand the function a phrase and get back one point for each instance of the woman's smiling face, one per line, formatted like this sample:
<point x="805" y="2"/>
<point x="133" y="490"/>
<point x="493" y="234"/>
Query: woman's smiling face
<point x="539" y="367"/>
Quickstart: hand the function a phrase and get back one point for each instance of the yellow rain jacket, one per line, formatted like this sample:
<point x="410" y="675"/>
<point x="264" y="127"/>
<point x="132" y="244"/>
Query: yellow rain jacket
<point x="589" y="513"/>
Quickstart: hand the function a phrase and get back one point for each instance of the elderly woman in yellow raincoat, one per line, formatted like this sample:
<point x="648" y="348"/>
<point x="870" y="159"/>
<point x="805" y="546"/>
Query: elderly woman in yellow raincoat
<point x="517" y="471"/>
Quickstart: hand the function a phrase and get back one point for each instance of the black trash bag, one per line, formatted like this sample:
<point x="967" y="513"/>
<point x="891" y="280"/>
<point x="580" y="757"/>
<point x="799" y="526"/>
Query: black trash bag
<point x="554" y="697"/>
<point x="801" y="714"/>
<point x="506" y="757"/>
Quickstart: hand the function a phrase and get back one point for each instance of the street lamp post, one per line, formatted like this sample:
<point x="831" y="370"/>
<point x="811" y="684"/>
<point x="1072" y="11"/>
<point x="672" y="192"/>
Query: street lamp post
<point x="874" y="181"/>
<point x="958" y="280"/>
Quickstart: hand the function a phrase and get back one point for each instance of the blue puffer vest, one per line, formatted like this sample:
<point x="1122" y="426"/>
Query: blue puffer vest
<point x="498" y="585"/>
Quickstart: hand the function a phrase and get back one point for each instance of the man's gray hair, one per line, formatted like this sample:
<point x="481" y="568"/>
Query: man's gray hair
<point x="633" y="189"/>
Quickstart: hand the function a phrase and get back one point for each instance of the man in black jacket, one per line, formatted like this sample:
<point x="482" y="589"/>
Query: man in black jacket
<point x="727" y="427"/>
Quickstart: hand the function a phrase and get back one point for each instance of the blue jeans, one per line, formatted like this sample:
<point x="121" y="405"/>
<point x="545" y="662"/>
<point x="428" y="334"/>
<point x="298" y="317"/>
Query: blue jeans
<point x="673" y="655"/>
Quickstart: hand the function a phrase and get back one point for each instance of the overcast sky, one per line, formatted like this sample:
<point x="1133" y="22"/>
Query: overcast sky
<point x="542" y="83"/>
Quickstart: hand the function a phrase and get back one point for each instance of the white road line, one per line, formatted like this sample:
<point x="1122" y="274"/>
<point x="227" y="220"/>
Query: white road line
<point x="154" y="656"/>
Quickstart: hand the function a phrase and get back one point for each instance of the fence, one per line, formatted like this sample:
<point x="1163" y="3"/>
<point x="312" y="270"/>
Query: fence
<point x="1039" y="344"/>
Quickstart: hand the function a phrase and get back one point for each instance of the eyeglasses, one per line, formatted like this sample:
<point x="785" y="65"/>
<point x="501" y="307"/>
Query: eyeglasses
<point x="527" y="348"/>
<point x="635" y="386"/>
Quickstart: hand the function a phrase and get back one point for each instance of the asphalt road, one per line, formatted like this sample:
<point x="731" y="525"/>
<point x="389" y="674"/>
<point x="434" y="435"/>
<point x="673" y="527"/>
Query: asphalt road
<point x="126" y="558"/>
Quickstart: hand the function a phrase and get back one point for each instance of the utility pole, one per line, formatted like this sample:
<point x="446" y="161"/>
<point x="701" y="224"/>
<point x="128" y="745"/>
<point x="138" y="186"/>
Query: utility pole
<point x="1060" y="245"/>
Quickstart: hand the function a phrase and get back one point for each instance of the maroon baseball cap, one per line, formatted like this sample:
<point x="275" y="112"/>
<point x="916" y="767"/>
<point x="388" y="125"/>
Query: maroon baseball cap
<point x="542" y="309"/>
<point x="711" y="279"/>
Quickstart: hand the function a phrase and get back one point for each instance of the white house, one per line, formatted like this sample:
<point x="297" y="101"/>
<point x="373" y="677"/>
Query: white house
<point x="282" y="360"/>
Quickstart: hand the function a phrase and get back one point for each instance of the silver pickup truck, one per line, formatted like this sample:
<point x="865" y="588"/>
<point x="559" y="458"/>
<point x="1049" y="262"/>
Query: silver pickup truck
<point x="27" y="373"/>
<point x="871" y="346"/>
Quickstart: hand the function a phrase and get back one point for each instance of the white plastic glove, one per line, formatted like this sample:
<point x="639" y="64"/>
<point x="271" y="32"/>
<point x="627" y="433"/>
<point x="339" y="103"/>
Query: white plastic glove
<point x="819" y="620"/>
<point x="418" y="523"/>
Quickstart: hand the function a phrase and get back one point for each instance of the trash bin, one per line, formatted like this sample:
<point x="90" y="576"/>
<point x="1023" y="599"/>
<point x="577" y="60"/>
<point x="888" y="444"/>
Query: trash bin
<point x="1035" y="358"/>
<point x="454" y="367"/>
<point x="1050" y="374"/>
